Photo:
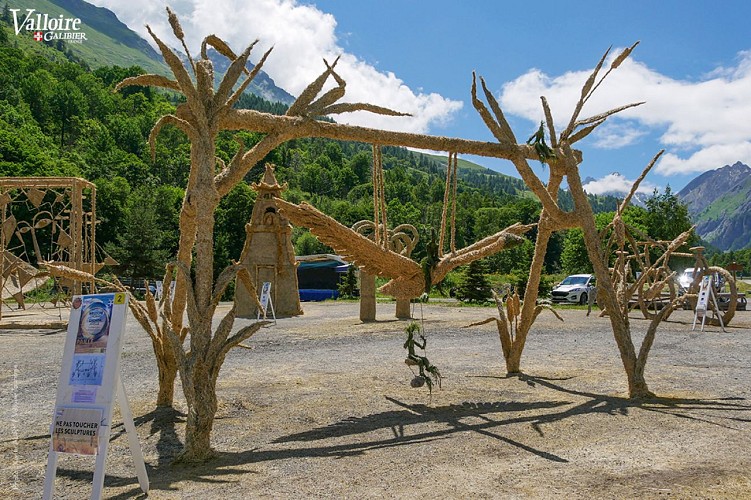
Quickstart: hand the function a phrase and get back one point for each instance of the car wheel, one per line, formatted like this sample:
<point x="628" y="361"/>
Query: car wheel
<point x="583" y="299"/>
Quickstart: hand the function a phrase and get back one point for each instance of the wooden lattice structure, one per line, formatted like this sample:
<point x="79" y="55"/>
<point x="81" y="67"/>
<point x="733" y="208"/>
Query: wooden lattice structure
<point x="45" y="219"/>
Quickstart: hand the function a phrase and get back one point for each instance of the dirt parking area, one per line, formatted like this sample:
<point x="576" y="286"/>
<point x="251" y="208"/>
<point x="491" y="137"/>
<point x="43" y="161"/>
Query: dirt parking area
<point x="321" y="407"/>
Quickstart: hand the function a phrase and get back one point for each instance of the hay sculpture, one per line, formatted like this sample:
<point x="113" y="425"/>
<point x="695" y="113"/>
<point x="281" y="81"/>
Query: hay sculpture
<point x="646" y="259"/>
<point x="60" y="227"/>
<point x="407" y="278"/>
<point x="207" y="111"/>
<point x="654" y="288"/>
<point x="268" y="253"/>
<point x="376" y="257"/>
<point x="562" y="163"/>
<point x="509" y="307"/>
<point x="402" y="240"/>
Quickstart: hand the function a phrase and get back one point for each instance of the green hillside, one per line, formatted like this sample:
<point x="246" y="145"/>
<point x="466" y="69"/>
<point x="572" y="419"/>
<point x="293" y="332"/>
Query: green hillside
<point x="463" y="164"/>
<point x="719" y="202"/>
<point x="119" y="46"/>
<point x="728" y="204"/>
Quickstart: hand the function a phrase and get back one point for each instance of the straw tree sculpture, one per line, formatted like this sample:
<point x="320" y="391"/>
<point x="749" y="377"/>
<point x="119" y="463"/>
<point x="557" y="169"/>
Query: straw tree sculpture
<point x="206" y="112"/>
<point x="652" y="277"/>
<point x="562" y="163"/>
<point x="509" y="314"/>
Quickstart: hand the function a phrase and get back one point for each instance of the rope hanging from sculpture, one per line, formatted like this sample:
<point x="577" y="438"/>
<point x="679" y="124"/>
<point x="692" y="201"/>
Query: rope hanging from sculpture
<point x="379" y="199"/>
<point x="449" y="196"/>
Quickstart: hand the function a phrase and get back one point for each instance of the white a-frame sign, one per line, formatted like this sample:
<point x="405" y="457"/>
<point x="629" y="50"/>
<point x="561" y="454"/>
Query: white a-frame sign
<point x="89" y="379"/>
<point x="266" y="301"/>
<point x="703" y="304"/>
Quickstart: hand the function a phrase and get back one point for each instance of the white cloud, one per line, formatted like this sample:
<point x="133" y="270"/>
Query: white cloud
<point x="616" y="183"/>
<point x="718" y="155"/>
<point x="618" y="134"/>
<point x="301" y="36"/>
<point x="703" y="124"/>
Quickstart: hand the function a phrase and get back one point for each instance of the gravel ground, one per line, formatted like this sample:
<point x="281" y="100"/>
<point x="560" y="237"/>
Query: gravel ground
<point x="321" y="406"/>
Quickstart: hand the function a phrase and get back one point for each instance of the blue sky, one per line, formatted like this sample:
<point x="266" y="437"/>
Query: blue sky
<point x="693" y="67"/>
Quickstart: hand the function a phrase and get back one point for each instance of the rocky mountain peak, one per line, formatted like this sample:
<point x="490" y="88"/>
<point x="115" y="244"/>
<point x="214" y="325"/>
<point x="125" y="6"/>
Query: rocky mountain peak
<point x="719" y="202"/>
<point x="706" y="188"/>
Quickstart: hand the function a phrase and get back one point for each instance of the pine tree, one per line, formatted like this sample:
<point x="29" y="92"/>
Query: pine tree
<point x="348" y="285"/>
<point x="6" y="17"/>
<point x="474" y="286"/>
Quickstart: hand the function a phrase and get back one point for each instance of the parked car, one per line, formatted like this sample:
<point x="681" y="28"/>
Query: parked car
<point x="576" y="289"/>
<point x="141" y="291"/>
<point x="686" y="278"/>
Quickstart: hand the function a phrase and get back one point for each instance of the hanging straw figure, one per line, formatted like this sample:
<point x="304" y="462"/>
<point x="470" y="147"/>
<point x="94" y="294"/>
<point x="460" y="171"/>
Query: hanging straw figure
<point x="422" y="363"/>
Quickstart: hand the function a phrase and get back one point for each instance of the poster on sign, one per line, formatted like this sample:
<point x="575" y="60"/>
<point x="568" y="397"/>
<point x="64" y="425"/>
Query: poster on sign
<point x="92" y="350"/>
<point x="76" y="430"/>
<point x="92" y="336"/>
<point x="266" y="301"/>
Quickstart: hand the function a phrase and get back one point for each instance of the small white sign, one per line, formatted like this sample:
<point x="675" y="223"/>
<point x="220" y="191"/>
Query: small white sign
<point x="266" y="301"/>
<point x="265" y="296"/>
<point x="704" y="290"/>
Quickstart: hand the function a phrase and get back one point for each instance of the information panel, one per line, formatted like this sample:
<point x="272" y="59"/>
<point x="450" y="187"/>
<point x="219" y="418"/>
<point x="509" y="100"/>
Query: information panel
<point x="88" y="385"/>
<point x="92" y="352"/>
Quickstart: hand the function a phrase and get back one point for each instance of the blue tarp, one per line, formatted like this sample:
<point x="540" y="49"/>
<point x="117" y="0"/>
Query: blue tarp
<point x="317" y="294"/>
<point x="313" y="264"/>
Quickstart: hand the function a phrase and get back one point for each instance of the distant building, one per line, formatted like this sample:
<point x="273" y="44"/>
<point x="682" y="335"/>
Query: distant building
<point x="318" y="276"/>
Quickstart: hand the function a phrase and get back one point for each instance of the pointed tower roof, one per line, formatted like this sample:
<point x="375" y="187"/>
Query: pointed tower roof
<point x="268" y="182"/>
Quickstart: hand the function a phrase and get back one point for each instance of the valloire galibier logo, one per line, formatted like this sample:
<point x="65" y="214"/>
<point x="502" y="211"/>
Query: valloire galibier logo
<point x="48" y="28"/>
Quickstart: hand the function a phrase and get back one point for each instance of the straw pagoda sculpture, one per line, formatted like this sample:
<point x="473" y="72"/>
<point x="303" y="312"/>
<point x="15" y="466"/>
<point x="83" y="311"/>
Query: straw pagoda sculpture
<point x="268" y="254"/>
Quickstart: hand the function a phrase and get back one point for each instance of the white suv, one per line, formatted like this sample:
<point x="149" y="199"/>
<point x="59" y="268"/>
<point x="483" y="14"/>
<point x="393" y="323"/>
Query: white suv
<point x="686" y="278"/>
<point x="576" y="288"/>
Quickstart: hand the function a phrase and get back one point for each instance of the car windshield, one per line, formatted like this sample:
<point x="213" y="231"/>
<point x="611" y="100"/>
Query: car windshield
<point x="575" y="280"/>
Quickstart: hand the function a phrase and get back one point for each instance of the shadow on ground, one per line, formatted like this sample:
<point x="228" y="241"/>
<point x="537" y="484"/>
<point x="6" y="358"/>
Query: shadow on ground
<point x="485" y="418"/>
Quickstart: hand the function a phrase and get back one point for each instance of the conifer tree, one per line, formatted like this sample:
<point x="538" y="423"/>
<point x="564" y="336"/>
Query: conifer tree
<point x="474" y="286"/>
